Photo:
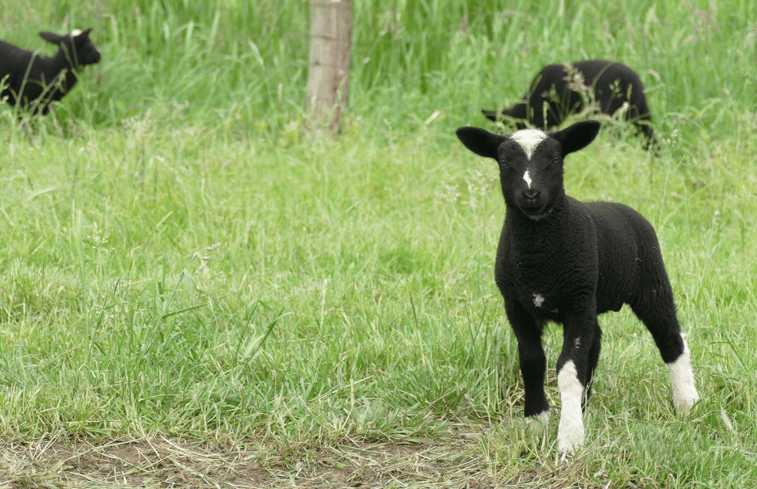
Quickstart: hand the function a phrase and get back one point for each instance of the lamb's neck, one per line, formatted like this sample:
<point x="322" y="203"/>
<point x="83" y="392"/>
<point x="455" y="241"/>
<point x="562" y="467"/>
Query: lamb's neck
<point x="62" y="62"/>
<point x="538" y="240"/>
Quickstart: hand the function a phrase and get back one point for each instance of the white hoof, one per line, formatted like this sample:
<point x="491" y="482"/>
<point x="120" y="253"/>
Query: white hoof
<point x="685" y="393"/>
<point x="568" y="443"/>
<point x="539" y="419"/>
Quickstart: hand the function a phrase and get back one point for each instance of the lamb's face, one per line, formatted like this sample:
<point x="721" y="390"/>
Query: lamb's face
<point x="87" y="53"/>
<point x="531" y="171"/>
<point x="530" y="162"/>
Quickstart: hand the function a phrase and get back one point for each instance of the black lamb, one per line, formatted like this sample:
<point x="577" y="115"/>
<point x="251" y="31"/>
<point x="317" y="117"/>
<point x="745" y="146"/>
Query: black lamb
<point x="567" y="261"/>
<point x="561" y="89"/>
<point x="34" y="80"/>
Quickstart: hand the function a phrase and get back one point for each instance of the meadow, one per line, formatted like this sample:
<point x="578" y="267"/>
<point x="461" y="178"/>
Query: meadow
<point x="198" y="291"/>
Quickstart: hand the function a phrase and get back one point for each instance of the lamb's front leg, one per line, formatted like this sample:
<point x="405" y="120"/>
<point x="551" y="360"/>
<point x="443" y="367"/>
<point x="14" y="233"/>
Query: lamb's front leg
<point x="570" y="432"/>
<point x="533" y="367"/>
<point x="533" y="362"/>
<point x="572" y="378"/>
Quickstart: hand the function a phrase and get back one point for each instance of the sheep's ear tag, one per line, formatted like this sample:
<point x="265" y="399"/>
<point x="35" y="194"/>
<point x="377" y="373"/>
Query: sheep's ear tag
<point x="577" y="136"/>
<point x="480" y="141"/>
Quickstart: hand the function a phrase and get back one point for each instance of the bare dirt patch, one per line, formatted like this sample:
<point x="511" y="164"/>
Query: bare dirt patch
<point x="162" y="462"/>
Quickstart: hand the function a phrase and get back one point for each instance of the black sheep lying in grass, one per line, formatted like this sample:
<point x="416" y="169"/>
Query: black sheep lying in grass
<point x="561" y="89"/>
<point x="34" y="80"/>
<point x="567" y="261"/>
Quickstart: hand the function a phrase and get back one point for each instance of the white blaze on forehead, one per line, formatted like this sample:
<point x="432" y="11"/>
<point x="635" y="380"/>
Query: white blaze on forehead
<point x="75" y="32"/>
<point x="529" y="139"/>
<point x="527" y="178"/>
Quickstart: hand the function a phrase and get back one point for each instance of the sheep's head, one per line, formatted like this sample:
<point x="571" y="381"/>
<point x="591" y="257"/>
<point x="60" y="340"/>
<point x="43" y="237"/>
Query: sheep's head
<point x="76" y="45"/>
<point x="530" y="162"/>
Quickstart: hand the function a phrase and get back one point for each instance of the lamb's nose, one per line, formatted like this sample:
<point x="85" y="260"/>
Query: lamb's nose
<point x="530" y="194"/>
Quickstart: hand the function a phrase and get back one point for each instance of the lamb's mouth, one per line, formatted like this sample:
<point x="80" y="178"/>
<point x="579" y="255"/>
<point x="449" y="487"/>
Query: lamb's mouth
<point x="533" y="210"/>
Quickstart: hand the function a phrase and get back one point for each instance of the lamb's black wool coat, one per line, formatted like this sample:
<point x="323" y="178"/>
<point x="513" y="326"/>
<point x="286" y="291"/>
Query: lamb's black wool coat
<point x="567" y="261"/>
<point x="580" y="260"/>
<point x="555" y="93"/>
<point x="35" y="80"/>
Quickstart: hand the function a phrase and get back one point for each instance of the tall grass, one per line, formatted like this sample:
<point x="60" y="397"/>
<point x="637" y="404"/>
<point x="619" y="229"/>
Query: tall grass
<point x="181" y="257"/>
<point x="244" y="64"/>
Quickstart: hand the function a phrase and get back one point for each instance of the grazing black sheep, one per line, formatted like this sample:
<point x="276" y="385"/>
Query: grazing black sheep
<point x="35" y="80"/>
<point x="561" y="89"/>
<point x="567" y="261"/>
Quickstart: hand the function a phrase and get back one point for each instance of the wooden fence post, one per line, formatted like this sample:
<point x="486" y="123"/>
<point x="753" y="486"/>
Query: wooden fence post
<point x="330" y="49"/>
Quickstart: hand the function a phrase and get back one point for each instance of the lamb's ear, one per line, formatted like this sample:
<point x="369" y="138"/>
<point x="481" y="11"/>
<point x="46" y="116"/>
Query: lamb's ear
<point x="577" y="136"/>
<point x="80" y="37"/>
<point x="51" y="37"/>
<point x="480" y="141"/>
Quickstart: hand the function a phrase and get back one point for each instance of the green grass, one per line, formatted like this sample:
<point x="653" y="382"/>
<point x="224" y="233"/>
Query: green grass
<point x="188" y="271"/>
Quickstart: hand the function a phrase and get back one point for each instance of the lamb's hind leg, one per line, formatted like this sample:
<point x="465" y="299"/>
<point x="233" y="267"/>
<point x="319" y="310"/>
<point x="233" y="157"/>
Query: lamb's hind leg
<point x="659" y="316"/>
<point x="685" y="393"/>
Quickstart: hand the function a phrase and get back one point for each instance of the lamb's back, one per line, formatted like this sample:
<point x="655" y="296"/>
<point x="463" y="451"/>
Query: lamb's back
<point x="14" y="66"/>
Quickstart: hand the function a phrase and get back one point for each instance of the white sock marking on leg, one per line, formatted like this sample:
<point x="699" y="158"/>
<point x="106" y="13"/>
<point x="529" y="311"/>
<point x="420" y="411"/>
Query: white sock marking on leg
<point x="541" y="418"/>
<point x="682" y="380"/>
<point x="570" y="432"/>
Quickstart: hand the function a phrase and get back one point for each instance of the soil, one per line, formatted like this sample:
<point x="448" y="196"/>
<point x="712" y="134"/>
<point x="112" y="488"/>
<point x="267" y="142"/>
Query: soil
<point x="161" y="462"/>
